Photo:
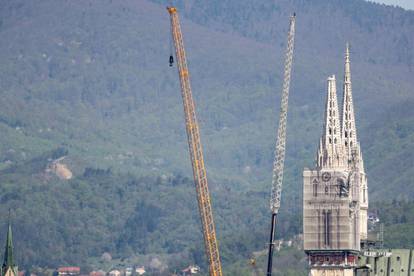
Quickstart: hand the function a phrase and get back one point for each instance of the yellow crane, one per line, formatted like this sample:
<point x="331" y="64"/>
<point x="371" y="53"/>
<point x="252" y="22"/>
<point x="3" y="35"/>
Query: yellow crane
<point x="196" y="152"/>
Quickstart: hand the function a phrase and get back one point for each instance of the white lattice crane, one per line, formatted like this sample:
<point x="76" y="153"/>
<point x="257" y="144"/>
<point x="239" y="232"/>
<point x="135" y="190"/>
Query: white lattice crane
<point x="280" y="150"/>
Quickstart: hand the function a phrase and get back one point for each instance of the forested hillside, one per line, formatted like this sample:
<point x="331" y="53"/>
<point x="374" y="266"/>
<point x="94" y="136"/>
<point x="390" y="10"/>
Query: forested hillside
<point x="89" y="80"/>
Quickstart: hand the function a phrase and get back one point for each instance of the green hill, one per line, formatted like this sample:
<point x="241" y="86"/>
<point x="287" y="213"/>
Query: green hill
<point x="92" y="80"/>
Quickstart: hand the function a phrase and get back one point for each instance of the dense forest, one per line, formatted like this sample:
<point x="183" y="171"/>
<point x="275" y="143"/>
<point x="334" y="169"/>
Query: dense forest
<point x="89" y="81"/>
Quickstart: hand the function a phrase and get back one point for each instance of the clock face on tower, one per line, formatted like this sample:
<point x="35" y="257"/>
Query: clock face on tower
<point x="326" y="176"/>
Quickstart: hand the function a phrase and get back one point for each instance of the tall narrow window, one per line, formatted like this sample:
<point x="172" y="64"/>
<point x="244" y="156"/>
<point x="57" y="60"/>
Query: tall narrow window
<point x="319" y="228"/>
<point x="338" y="232"/>
<point x="328" y="224"/>
<point x="364" y="190"/>
<point x="324" y="227"/>
<point x="327" y="228"/>
<point x="315" y="189"/>
<point x="356" y="230"/>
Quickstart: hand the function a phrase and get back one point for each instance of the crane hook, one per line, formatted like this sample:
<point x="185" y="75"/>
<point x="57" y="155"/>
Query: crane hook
<point x="171" y="60"/>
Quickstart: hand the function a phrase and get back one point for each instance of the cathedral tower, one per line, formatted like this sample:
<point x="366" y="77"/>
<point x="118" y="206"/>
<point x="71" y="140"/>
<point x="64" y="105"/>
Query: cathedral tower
<point x="335" y="200"/>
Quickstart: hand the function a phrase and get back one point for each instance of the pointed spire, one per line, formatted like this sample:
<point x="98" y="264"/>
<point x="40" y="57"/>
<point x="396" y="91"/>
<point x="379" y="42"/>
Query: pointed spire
<point x="8" y="254"/>
<point x="347" y="78"/>
<point x="330" y="153"/>
<point x="349" y="134"/>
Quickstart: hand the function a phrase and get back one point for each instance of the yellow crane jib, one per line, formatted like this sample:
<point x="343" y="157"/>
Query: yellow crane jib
<point x="195" y="149"/>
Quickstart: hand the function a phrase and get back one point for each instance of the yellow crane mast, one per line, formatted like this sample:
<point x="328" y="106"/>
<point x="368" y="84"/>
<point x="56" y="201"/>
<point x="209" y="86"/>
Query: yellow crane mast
<point x="196" y="152"/>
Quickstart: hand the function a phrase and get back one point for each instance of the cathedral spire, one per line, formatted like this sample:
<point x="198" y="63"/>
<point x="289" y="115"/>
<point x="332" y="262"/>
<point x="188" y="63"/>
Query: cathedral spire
<point x="330" y="153"/>
<point x="9" y="267"/>
<point x="349" y="135"/>
<point x="8" y="254"/>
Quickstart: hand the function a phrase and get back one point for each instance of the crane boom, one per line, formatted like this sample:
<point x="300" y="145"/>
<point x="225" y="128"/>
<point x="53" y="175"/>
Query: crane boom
<point x="196" y="152"/>
<point x="280" y="149"/>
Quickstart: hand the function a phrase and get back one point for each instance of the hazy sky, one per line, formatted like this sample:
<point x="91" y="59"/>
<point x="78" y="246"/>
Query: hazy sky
<point x="407" y="4"/>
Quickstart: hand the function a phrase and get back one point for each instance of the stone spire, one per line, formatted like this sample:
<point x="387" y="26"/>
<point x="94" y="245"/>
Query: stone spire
<point x="9" y="267"/>
<point x="330" y="154"/>
<point x="352" y="148"/>
<point x="348" y="128"/>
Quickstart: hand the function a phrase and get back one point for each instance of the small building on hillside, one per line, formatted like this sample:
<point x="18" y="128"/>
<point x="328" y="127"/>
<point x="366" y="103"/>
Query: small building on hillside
<point x="191" y="270"/>
<point x="140" y="270"/>
<point x="114" y="273"/>
<point x="97" y="273"/>
<point x="128" y="271"/>
<point x="68" y="271"/>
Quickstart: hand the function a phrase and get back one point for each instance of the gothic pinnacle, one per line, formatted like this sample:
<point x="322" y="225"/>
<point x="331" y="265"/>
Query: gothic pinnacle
<point x="348" y="128"/>
<point x="331" y="153"/>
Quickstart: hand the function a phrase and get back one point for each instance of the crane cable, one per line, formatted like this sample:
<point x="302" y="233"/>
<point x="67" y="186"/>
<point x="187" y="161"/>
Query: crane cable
<point x="171" y="59"/>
